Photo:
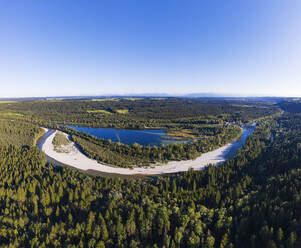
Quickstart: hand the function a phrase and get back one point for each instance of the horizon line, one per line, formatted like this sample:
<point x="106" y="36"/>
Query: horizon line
<point x="146" y="95"/>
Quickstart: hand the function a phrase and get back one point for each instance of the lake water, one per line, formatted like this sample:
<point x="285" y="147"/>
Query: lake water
<point x="127" y="136"/>
<point x="216" y="157"/>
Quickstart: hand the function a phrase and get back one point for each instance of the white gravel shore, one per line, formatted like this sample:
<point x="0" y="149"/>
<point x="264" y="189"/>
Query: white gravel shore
<point x="78" y="160"/>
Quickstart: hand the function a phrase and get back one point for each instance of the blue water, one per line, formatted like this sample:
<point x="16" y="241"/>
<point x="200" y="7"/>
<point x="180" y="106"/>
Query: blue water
<point x="127" y="136"/>
<point x="246" y="132"/>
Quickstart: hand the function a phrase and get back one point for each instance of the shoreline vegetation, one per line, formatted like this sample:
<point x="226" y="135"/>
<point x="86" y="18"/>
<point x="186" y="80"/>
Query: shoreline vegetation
<point x="118" y="154"/>
<point x="181" y="135"/>
<point x="77" y="159"/>
<point x="61" y="143"/>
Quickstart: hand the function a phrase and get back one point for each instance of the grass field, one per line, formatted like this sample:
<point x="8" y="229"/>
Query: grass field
<point x="122" y="111"/>
<point x="8" y="102"/>
<point x="116" y="99"/>
<point x="10" y="114"/>
<point x="105" y="99"/>
<point x="132" y="98"/>
<point x="99" y="111"/>
<point x="55" y="99"/>
<point x="181" y="134"/>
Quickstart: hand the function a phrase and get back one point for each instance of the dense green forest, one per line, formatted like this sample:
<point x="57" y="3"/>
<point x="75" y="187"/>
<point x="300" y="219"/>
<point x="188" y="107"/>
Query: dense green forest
<point x="171" y="113"/>
<point x="17" y="132"/>
<point x="253" y="200"/>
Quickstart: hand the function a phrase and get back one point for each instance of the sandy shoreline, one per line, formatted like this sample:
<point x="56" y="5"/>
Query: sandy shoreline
<point x="78" y="160"/>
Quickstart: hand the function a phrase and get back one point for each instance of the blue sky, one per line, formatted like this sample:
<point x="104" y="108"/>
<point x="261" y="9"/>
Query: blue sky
<point x="236" y="47"/>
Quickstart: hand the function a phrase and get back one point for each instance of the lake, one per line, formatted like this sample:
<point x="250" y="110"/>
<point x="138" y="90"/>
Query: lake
<point x="143" y="137"/>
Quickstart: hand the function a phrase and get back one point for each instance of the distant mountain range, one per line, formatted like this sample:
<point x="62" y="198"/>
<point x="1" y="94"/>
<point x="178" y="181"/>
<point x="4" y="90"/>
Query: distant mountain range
<point x="191" y="95"/>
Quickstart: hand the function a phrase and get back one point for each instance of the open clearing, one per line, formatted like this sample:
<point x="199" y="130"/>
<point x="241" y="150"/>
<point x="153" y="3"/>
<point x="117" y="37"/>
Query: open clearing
<point x="8" y="102"/>
<point x="122" y="111"/>
<point x="105" y="99"/>
<point x="11" y="114"/>
<point x="99" y="111"/>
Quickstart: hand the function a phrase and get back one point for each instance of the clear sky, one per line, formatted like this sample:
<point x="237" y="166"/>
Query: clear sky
<point x="62" y="47"/>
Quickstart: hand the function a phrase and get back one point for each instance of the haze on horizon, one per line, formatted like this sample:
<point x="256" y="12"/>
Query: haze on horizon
<point x="64" y="48"/>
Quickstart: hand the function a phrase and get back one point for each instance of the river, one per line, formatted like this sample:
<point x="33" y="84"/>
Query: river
<point x="78" y="160"/>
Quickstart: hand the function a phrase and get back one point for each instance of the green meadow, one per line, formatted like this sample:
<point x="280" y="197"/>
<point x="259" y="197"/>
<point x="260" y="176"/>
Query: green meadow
<point x="99" y="111"/>
<point x="8" y="102"/>
<point x="122" y="111"/>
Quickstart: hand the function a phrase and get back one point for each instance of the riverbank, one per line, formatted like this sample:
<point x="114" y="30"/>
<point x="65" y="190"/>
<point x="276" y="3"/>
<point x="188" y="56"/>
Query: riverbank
<point x="78" y="160"/>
